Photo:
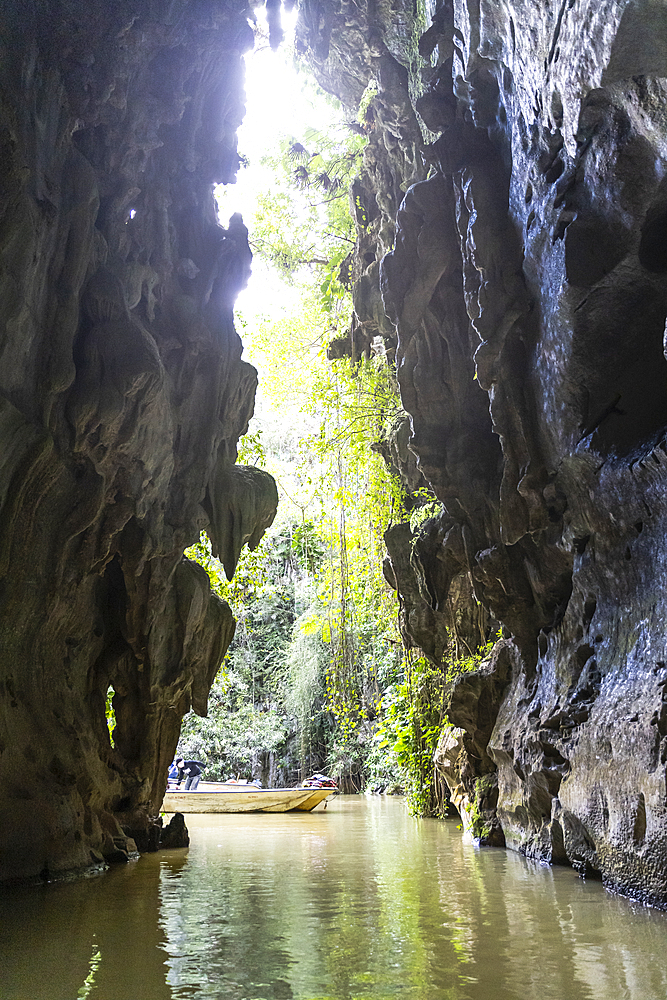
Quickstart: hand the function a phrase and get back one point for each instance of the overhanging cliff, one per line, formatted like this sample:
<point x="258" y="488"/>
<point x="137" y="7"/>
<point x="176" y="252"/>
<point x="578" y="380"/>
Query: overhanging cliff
<point x="521" y="284"/>
<point x="122" y="397"/>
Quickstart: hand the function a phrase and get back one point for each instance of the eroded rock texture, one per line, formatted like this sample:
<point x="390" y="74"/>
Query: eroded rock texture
<point x="122" y="397"/>
<point x="526" y="298"/>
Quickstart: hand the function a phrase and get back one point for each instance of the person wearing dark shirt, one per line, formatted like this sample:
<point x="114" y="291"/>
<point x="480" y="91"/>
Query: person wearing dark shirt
<point x="191" y="771"/>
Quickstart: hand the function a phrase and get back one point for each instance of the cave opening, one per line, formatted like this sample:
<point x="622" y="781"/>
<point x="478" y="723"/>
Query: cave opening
<point x="165" y="604"/>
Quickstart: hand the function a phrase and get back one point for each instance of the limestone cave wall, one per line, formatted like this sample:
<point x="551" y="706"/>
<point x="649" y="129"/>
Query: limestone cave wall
<point x="122" y="398"/>
<point x="512" y="217"/>
<point x="512" y="223"/>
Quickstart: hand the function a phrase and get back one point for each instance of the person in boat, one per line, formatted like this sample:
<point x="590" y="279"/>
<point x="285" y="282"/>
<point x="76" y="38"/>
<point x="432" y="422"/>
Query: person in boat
<point x="190" y="770"/>
<point x="172" y="776"/>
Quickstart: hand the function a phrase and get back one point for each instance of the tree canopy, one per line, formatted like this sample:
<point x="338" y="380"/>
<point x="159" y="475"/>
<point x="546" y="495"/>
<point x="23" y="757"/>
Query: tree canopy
<point x="317" y="677"/>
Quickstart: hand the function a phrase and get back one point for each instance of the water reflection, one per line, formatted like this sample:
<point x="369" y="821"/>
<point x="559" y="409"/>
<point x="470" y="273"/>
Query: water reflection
<point x="360" y="901"/>
<point x="94" y="937"/>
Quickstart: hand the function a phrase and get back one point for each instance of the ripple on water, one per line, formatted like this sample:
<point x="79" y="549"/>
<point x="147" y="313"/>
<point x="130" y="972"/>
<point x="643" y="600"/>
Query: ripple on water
<point x="361" y="902"/>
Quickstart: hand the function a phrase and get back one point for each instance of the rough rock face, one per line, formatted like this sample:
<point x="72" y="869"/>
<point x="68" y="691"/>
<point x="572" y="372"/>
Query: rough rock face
<point x="122" y="397"/>
<point x="527" y="298"/>
<point x="462" y="754"/>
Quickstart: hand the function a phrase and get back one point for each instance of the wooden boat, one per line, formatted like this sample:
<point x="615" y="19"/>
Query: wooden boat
<point x="223" y="797"/>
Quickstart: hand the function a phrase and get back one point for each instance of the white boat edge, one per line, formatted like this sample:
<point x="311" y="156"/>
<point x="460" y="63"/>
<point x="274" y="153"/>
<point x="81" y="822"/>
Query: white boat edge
<point x="215" y="797"/>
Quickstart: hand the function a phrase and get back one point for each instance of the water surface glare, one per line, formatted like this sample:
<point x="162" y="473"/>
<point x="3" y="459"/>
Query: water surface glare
<point x="358" y="901"/>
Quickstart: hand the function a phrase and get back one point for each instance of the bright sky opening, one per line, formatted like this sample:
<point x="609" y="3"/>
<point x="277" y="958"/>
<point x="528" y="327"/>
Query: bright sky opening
<point x="279" y="104"/>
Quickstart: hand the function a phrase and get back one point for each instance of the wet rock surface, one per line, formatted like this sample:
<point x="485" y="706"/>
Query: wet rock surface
<point x="515" y="232"/>
<point x="462" y="754"/>
<point x="175" y="834"/>
<point x="511" y="216"/>
<point x="122" y="397"/>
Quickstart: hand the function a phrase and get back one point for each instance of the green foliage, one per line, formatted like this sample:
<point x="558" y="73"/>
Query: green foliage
<point x="359" y="611"/>
<point x="251" y="706"/>
<point x="284" y="237"/>
<point x="326" y="169"/>
<point x="413" y="717"/>
<point x="317" y="676"/>
<point x="234" y="733"/>
<point x="302" y="224"/>
<point x="479" y="827"/>
<point x="409" y="730"/>
<point x="367" y="99"/>
<point x="317" y="635"/>
<point x="332" y="288"/>
<point x="251" y="450"/>
<point x="428" y="506"/>
<point x="306" y="661"/>
<point x="110" y="713"/>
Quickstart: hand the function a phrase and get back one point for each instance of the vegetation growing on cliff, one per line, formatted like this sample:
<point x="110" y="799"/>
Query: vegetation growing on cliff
<point x="317" y="639"/>
<point x="318" y="677"/>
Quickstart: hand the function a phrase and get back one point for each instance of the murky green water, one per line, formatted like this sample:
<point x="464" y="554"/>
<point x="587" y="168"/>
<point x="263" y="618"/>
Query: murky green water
<point x="360" y="901"/>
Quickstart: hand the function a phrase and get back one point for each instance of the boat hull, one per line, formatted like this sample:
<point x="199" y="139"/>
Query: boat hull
<point x="218" y="798"/>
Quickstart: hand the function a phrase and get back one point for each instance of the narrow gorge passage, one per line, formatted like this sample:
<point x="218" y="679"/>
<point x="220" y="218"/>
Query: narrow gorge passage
<point x="508" y="206"/>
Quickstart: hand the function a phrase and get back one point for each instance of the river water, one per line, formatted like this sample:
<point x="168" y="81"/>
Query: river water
<point x="356" y="901"/>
